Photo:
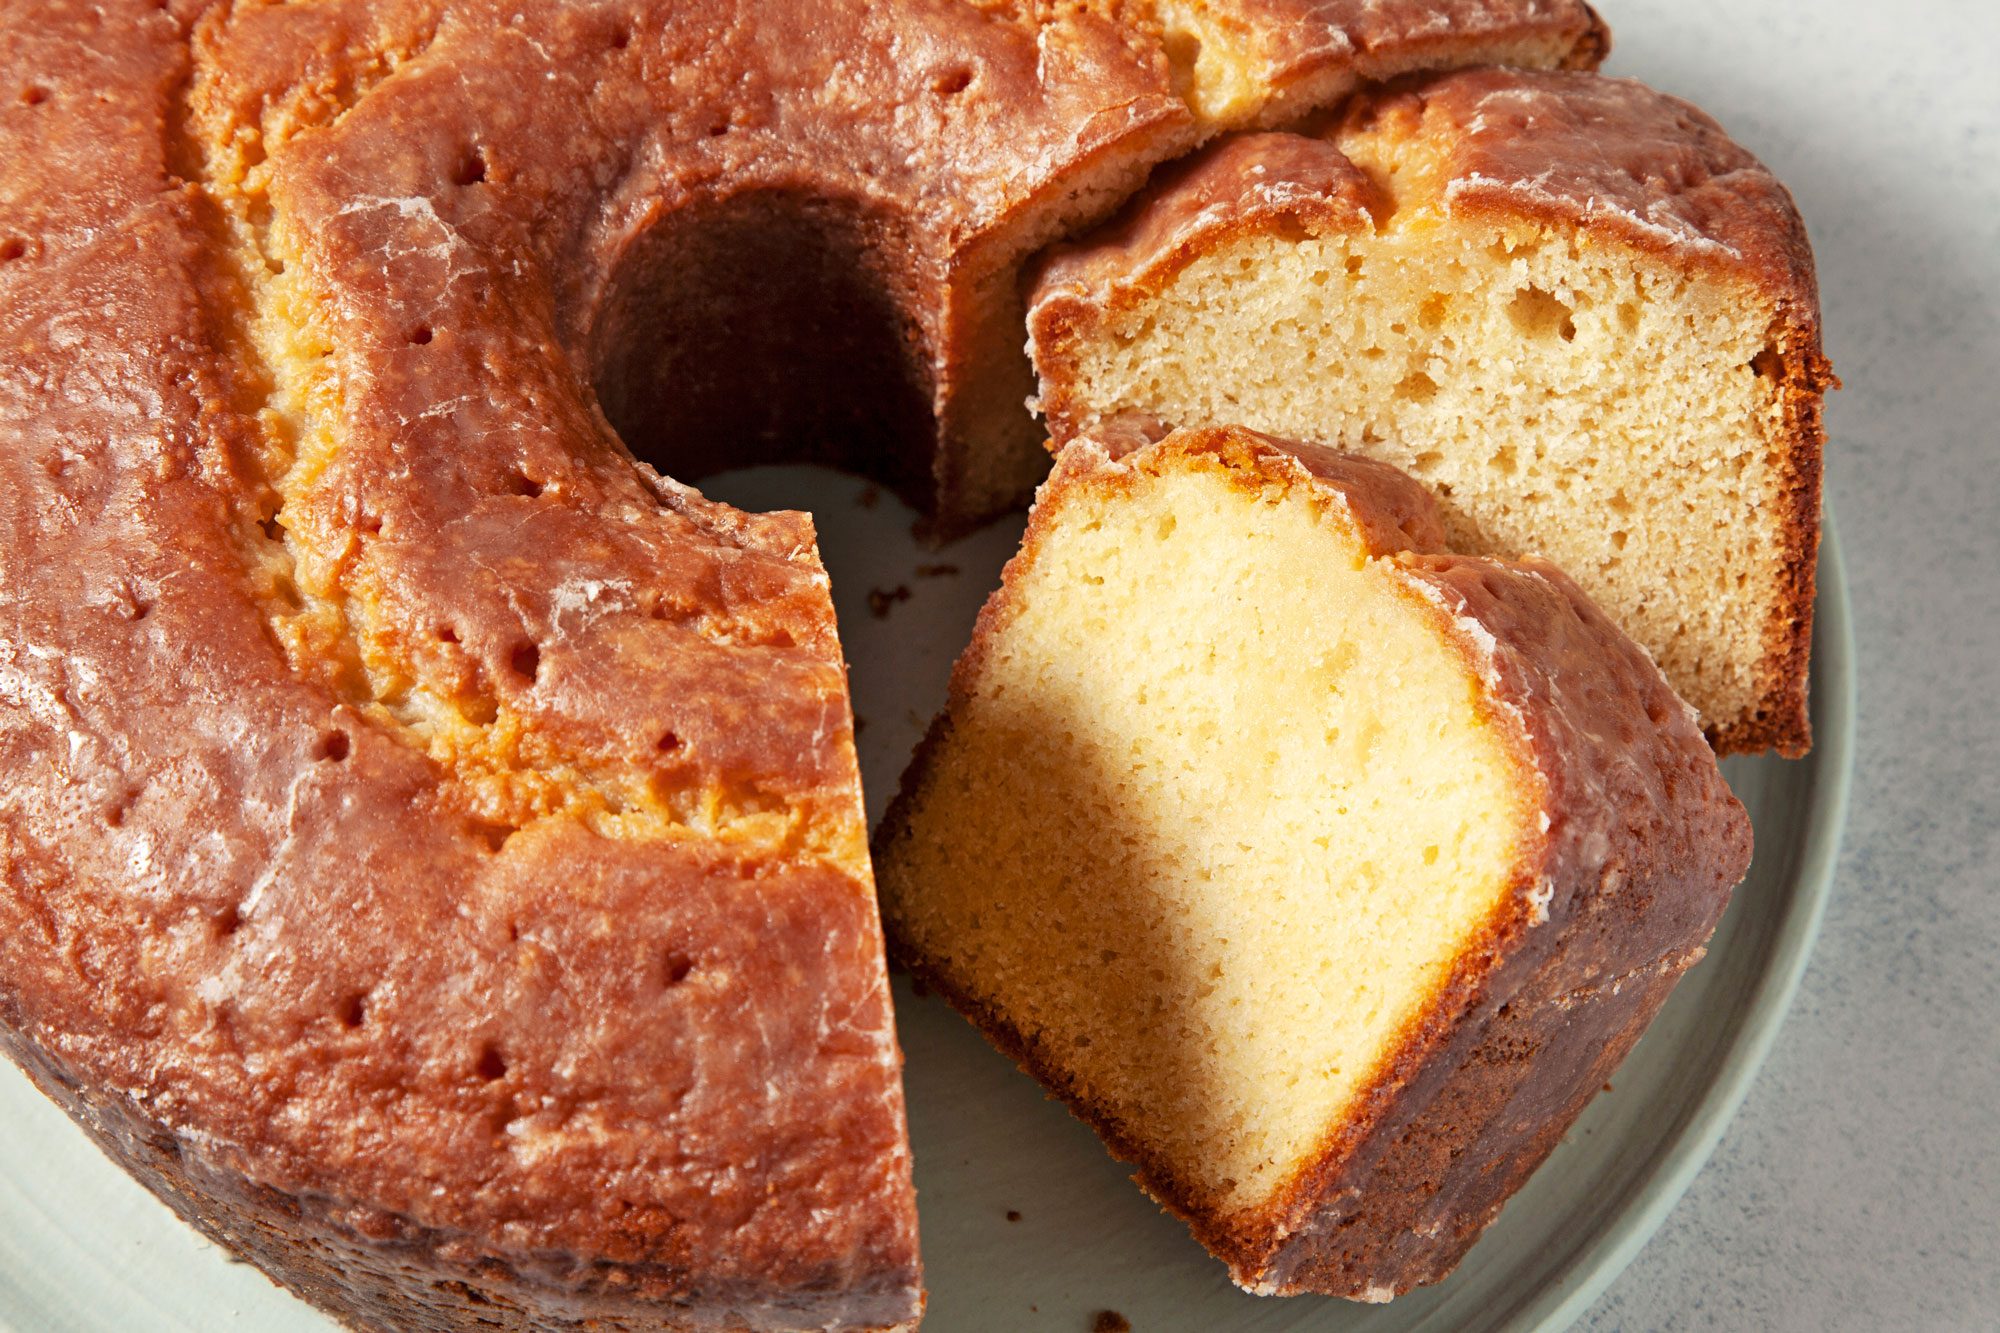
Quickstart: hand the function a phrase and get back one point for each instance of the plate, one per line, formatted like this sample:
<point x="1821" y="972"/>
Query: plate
<point x="1027" y="1224"/>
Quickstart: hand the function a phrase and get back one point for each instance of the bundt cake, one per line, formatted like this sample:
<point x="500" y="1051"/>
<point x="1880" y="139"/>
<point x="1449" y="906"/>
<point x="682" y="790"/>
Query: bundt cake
<point x="1326" y="875"/>
<point x="431" y="854"/>
<point x="1568" y="303"/>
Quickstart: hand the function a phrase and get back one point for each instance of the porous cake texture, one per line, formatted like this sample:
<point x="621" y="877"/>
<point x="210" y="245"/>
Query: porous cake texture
<point x="1327" y="875"/>
<point x="1570" y="305"/>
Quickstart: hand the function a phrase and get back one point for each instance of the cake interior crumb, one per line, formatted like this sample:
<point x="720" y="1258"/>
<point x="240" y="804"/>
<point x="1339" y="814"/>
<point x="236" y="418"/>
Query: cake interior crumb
<point x="1210" y="843"/>
<point x="1527" y="373"/>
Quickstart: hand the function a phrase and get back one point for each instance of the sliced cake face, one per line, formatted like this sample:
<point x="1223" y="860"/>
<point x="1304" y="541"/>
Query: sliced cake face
<point x="1569" y="305"/>
<point x="1216" y="813"/>
<point x="1326" y="875"/>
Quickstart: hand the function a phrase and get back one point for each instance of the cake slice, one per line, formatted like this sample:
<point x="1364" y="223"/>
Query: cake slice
<point x="1569" y="304"/>
<point x="1326" y="875"/>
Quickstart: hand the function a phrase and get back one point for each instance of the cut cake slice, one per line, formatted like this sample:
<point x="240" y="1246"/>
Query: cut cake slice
<point x="1569" y="304"/>
<point x="1326" y="875"/>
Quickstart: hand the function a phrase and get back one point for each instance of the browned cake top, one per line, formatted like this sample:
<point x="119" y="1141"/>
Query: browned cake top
<point x="1608" y="154"/>
<point x="1233" y="186"/>
<point x="445" y="822"/>
<point x="410" y="805"/>
<point x="1260" y="63"/>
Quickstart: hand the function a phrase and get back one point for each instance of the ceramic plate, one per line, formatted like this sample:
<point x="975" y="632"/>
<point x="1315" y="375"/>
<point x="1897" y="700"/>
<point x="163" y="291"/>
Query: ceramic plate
<point x="1027" y="1224"/>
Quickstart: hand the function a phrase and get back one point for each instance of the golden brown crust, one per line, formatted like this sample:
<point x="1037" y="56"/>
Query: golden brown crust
<point x="267" y="946"/>
<point x="1609" y="156"/>
<point x="1232" y="188"/>
<point x="1613" y="899"/>
<point x="1264" y="63"/>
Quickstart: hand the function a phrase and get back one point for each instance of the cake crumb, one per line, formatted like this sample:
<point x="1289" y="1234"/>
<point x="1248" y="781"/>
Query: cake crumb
<point x="1110" y="1321"/>
<point x="1013" y="1214"/>
<point x="881" y="599"/>
<point x="936" y="571"/>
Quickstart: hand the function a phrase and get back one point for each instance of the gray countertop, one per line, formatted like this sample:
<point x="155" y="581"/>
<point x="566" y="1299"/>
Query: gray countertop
<point x="1859" y="1187"/>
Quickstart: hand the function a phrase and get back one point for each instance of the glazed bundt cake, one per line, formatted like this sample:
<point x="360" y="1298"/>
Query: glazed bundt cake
<point x="1568" y="303"/>
<point x="1326" y="875"/>
<point x="431" y="853"/>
